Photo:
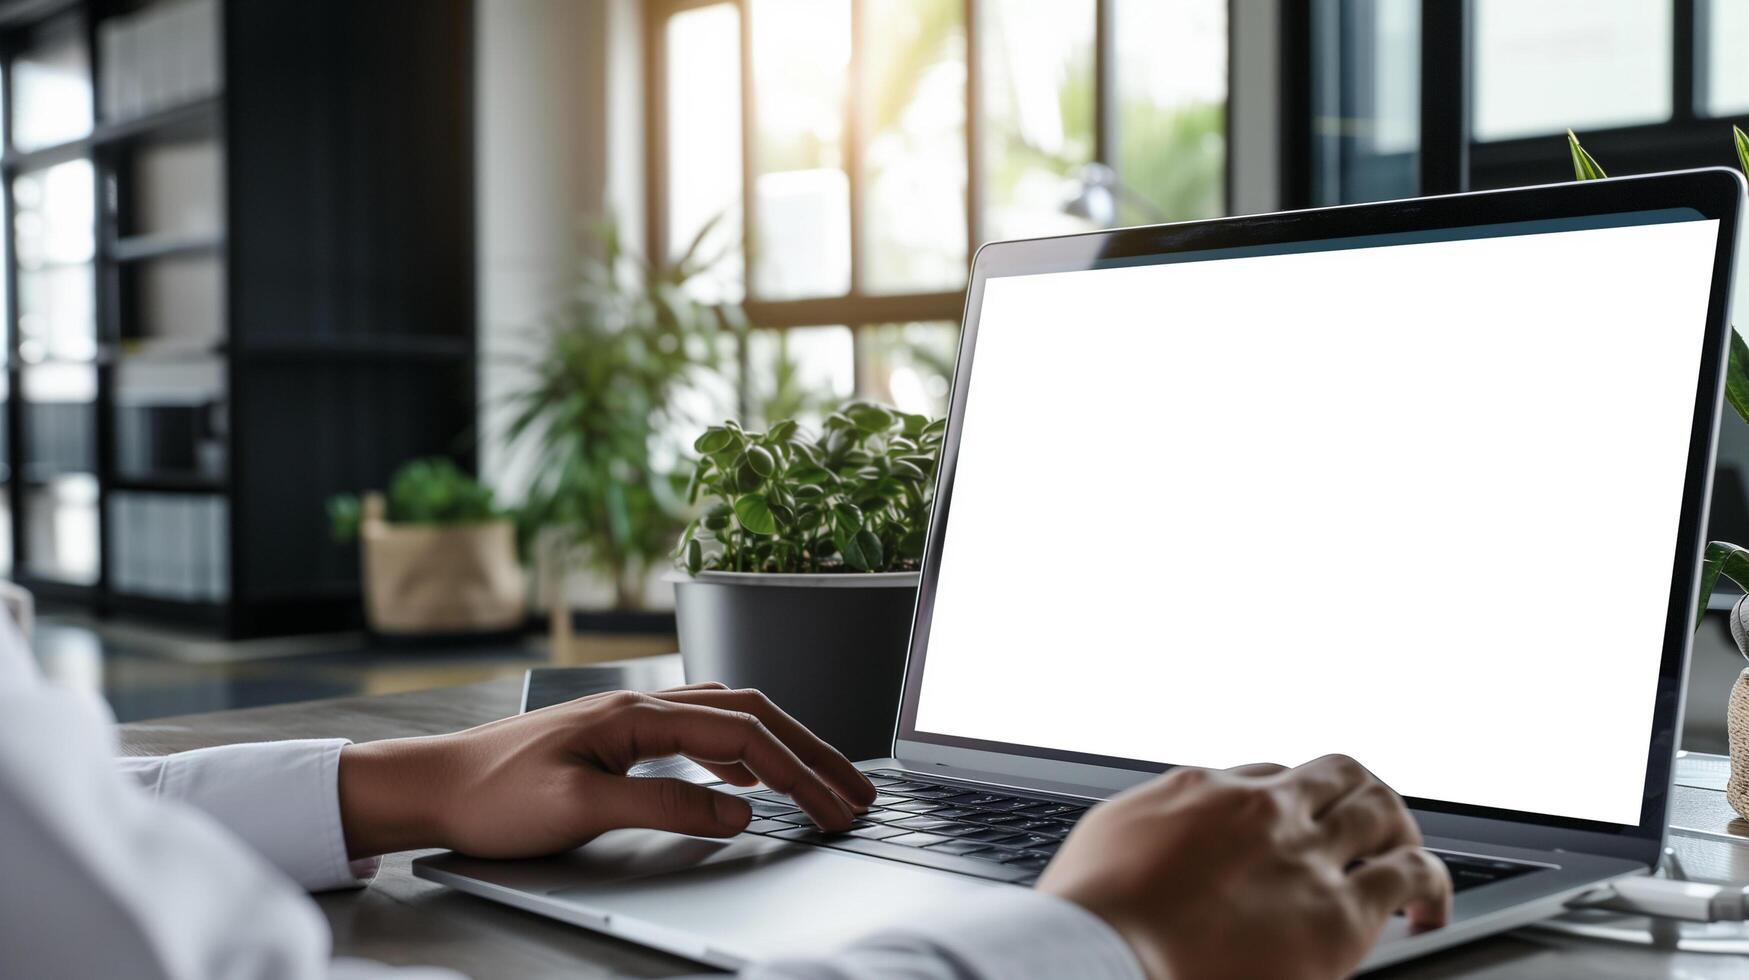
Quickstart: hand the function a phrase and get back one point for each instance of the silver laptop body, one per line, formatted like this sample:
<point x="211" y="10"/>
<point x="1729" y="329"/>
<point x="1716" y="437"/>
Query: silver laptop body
<point x="788" y="891"/>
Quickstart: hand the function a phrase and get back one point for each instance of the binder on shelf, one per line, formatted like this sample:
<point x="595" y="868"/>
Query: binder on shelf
<point x="158" y="58"/>
<point x="170" y="546"/>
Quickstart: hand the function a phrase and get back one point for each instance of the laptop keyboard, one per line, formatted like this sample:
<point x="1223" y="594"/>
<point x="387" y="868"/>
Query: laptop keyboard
<point x="986" y="833"/>
<point x="980" y="832"/>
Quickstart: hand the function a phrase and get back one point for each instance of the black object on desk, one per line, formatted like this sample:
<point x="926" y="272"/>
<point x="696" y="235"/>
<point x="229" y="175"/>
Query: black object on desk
<point x="544" y="686"/>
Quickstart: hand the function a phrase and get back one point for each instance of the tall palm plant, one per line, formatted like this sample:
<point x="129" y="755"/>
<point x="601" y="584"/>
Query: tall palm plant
<point x="604" y="378"/>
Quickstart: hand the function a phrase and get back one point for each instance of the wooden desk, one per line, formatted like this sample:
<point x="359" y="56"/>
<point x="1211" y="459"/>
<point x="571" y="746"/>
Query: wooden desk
<point x="403" y="920"/>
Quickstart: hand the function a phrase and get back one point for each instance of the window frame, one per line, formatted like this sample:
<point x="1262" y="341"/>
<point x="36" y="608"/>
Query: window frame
<point x="1451" y="160"/>
<point x="857" y="308"/>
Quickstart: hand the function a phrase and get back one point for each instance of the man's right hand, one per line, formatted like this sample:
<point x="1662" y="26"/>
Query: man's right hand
<point x="1257" y="871"/>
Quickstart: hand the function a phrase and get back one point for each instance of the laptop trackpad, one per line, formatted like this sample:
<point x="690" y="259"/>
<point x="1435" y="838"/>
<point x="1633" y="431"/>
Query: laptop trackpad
<point x="758" y="898"/>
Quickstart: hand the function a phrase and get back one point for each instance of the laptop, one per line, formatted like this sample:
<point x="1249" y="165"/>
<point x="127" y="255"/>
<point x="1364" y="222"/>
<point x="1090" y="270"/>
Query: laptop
<point x="1260" y="489"/>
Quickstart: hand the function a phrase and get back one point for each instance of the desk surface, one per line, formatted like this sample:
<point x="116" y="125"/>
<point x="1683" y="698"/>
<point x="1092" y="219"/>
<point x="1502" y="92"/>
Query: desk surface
<point x="404" y="920"/>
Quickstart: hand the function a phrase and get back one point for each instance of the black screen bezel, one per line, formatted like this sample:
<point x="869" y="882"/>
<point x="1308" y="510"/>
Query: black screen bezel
<point x="1715" y="193"/>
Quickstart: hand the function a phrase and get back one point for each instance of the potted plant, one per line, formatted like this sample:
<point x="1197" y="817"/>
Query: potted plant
<point x="800" y="573"/>
<point x="603" y="374"/>
<point x="438" y="555"/>
<point x="1721" y="558"/>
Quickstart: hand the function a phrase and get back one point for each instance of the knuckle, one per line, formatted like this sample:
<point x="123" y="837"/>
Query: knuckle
<point x="1185" y="778"/>
<point x="1261" y="803"/>
<point x="749" y="721"/>
<point x="621" y="700"/>
<point x="1347" y="766"/>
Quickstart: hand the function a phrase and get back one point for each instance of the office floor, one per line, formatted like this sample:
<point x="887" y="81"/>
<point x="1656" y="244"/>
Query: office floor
<point x="152" y="672"/>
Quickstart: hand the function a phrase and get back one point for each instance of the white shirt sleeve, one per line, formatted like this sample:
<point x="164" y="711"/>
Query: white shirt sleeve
<point x="190" y="869"/>
<point x="282" y="798"/>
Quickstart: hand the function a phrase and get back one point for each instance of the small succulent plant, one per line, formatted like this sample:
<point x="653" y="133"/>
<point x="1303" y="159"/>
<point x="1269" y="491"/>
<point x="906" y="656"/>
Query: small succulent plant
<point x="853" y="499"/>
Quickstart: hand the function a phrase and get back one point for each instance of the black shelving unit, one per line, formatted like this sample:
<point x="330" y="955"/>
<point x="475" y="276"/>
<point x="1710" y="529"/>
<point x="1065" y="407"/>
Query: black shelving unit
<point x="339" y="275"/>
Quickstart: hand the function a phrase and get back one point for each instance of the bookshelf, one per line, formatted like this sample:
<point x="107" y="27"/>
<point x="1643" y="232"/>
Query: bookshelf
<point x="238" y="277"/>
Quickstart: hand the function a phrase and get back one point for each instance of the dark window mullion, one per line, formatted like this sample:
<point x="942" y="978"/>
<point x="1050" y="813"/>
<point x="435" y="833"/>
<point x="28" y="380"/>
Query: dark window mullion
<point x="1105" y="134"/>
<point x="974" y="136"/>
<point x="14" y="371"/>
<point x="658" y="166"/>
<point x="1688" y="60"/>
<point x="1446" y="66"/>
<point x="749" y="256"/>
<point x="853" y="142"/>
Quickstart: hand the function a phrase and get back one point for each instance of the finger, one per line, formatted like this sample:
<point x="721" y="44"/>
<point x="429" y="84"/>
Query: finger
<point x="808" y="747"/>
<point x="1368" y="821"/>
<point x="700" y="686"/>
<point x="667" y="804"/>
<point x="1409" y="880"/>
<point x="734" y="773"/>
<point x="1323" y="781"/>
<point x="713" y="735"/>
<point x="1258" y="769"/>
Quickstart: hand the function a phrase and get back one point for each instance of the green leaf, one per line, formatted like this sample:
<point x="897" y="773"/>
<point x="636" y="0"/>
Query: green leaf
<point x="809" y="491"/>
<point x="760" y="460"/>
<point x="1742" y="141"/>
<point x="846" y="517"/>
<point x="1584" y="168"/>
<point x="695" y="482"/>
<point x="782" y="431"/>
<point x="869" y="418"/>
<point x="747" y="478"/>
<point x="870" y="545"/>
<point x="838" y="442"/>
<point x="785" y="517"/>
<point x="904" y="469"/>
<point x="343" y="516"/>
<point x="754" y="513"/>
<point x="714" y="440"/>
<point x="1737" y="377"/>
<point x="911" y="545"/>
<point x="850" y="548"/>
<point x="694" y="557"/>
<point x="812" y="474"/>
<point x="1721" y="558"/>
<point x="717" y="517"/>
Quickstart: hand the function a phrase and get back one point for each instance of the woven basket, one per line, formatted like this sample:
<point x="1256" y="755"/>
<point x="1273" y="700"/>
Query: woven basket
<point x="438" y="579"/>
<point x="1737" y="718"/>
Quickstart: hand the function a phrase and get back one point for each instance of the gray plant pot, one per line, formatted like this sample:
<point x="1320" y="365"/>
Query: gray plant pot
<point x="829" y="649"/>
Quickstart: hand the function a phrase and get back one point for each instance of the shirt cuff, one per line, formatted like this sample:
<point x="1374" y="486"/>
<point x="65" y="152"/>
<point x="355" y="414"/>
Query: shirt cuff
<point x="281" y="798"/>
<point x="1019" y="932"/>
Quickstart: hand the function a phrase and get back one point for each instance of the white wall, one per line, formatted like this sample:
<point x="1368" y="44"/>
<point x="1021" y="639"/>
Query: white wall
<point x="558" y="143"/>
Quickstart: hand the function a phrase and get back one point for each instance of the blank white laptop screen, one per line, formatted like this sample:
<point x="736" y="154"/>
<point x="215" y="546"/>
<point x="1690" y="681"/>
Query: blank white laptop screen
<point x="1269" y="507"/>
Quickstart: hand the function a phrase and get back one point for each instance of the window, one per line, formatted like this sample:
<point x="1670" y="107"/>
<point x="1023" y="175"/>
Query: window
<point x="847" y="157"/>
<point x="1647" y="84"/>
<point x="1557" y="64"/>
